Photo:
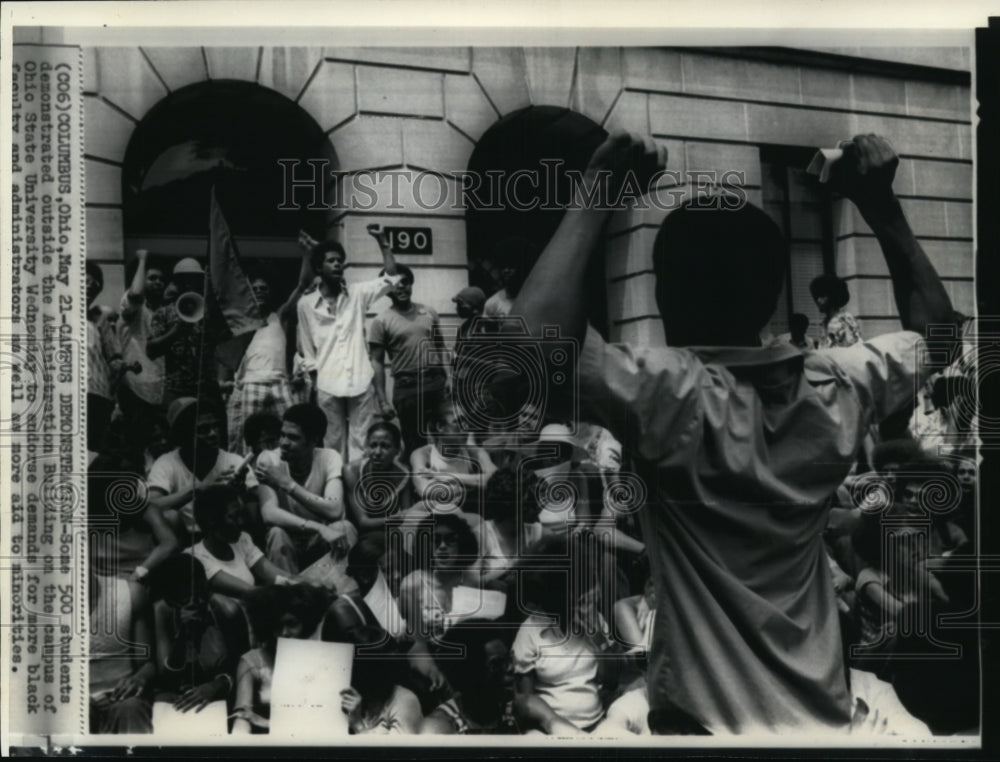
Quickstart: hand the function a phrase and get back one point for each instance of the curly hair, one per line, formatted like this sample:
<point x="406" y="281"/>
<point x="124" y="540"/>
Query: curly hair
<point x="832" y="287"/>
<point x="318" y="253"/>
<point x="468" y="546"/>
<point x="266" y="605"/>
<point x="210" y="504"/>
<point x="502" y="498"/>
<point x="310" y="418"/>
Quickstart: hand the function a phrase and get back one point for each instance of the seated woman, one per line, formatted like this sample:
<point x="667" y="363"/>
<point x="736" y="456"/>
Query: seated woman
<point x="377" y="486"/>
<point x="511" y="524"/>
<point x="452" y="464"/>
<point x="482" y="702"/>
<point x="195" y="659"/>
<point x="634" y="617"/>
<point x="121" y="661"/>
<point x="556" y="652"/>
<point x="295" y="611"/>
<point x="377" y="703"/>
<point x="233" y="564"/>
<point x="425" y="595"/>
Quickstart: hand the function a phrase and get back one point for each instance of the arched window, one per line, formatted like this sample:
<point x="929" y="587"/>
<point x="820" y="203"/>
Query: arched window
<point x="539" y="139"/>
<point x="229" y="135"/>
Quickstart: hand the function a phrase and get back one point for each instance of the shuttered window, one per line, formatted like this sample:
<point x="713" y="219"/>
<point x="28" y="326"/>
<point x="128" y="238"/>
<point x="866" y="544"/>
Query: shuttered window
<point x="801" y="208"/>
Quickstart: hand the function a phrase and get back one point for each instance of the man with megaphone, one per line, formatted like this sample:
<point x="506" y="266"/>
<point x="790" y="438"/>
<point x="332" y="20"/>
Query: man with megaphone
<point x="185" y="339"/>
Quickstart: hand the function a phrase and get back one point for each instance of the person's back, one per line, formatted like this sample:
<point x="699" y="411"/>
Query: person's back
<point x="739" y="446"/>
<point x="736" y="520"/>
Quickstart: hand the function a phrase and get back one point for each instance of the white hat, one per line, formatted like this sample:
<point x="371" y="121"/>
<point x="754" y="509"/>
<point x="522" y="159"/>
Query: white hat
<point x="560" y="433"/>
<point x="188" y="266"/>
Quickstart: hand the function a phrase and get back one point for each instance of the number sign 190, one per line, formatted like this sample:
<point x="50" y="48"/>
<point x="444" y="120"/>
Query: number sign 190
<point x="410" y="240"/>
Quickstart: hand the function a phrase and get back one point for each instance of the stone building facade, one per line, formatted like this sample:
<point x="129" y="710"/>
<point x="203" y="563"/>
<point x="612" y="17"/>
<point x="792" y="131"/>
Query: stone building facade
<point x="759" y="112"/>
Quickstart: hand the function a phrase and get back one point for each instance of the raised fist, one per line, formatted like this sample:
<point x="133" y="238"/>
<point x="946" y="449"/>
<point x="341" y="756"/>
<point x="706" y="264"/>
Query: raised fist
<point x="623" y="154"/>
<point x="375" y="231"/>
<point x="866" y="171"/>
<point x="306" y="241"/>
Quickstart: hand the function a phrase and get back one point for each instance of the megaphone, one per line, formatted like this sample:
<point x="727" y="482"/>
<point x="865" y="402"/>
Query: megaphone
<point x="190" y="306"/>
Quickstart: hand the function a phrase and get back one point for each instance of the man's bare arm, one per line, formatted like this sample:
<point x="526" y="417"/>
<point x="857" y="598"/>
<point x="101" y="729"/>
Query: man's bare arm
<point x="564" y="261"/>
<point x="865" y="176"/>
<point x="388" y="259"/>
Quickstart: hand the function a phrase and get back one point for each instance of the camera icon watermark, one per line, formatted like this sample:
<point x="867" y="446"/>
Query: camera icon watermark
<point x="504" y="379"/>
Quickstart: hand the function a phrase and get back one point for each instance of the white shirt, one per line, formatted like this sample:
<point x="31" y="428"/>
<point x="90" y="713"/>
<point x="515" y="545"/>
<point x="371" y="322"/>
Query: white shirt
<point x="245" y="555"/>
<point x="171" y="475"/>
<point x="565" y="670"/>
<point x="331" y="337"/>
<point x="264" y="359"/>
<point x="385" y="608"/>
<point x="323" y="480"/>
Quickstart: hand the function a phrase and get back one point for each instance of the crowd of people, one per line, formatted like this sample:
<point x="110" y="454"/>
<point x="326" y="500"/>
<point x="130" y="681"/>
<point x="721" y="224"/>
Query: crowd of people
<point x="785" y="568"/>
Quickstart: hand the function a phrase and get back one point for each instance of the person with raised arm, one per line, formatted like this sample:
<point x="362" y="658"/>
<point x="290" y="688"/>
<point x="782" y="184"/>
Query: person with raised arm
<point x="740" y="445"/>
<point x="140" y="395"/>
<point x="331" y="340"/>
<point x="262" y="381"/>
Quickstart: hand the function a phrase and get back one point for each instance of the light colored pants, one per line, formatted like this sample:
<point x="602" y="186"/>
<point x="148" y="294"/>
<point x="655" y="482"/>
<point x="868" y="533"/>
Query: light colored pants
<point x="347" y="422"/>
<point x="293" y="551"/>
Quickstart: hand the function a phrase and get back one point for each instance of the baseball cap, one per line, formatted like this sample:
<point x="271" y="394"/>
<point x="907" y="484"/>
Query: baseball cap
<point x="472" y="295"/>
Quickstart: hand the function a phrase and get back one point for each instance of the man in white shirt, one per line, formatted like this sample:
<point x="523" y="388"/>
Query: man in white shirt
<point x="301" y="492"/>
<point x="331" y="339"/>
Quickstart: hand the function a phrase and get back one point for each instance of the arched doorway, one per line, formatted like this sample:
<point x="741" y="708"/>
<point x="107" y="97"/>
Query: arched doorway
<point x="230" y="135"/>
<point x="546" y="140"/>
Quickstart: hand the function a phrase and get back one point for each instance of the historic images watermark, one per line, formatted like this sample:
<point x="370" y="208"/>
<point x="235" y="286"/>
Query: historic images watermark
<point x="313" y="185"/>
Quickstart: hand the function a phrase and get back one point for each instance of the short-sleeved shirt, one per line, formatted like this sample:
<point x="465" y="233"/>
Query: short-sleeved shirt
<point x="565" y="669"/>
<point x="171" y="475"/>
<point x="134" y="330"/>
<point x="402" y="334"/>
<point x="331" y="336"/>
<point x="245" y="555"/>
<point x="322" y="480"/>
<point x="740" y="449"/>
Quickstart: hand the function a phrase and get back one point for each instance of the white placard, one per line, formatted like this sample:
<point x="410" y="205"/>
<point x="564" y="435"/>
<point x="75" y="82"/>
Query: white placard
<point x="305" y="692"/>
<point x="472" y="602"/>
